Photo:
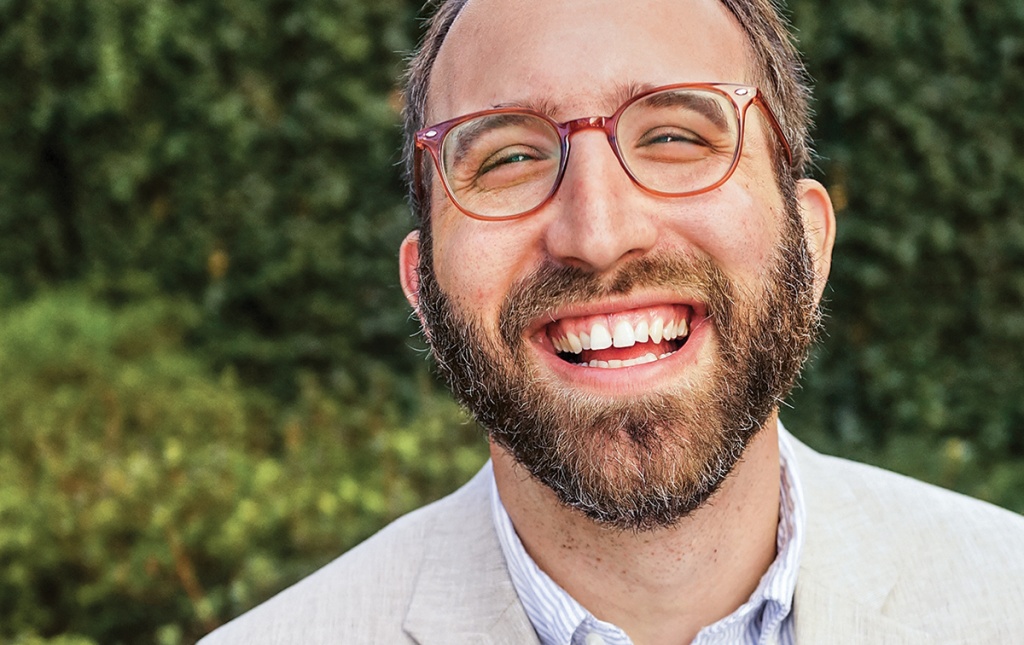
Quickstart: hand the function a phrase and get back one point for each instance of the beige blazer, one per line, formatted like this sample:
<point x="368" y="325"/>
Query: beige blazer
<point x="887" y="560"/>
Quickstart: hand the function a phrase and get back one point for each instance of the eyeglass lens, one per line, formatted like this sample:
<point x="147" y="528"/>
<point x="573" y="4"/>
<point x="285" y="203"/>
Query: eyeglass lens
<point x="675" y="142"/>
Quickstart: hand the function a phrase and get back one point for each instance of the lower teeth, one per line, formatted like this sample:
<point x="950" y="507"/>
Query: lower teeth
<point x="649" y="357"/>
<point x="646" y="358"/>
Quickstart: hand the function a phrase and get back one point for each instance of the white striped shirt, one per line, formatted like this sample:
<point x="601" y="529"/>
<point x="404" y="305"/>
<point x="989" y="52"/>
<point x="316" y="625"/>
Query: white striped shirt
<point x="765" y="619"/>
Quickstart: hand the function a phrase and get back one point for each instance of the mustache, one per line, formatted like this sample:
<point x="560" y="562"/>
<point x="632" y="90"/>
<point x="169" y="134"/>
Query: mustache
<point x="553" y="285"/>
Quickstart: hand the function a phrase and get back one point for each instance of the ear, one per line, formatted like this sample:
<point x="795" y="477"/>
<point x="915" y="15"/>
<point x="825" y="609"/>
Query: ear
<point x="408" y="266"/>
<point x="820" y="226"/>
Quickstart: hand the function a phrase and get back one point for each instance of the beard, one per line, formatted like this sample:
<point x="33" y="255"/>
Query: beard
<point x="646" y="462"/>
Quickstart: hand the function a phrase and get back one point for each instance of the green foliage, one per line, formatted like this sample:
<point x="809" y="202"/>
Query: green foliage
<point x="32" y="639"/>
<point x="920" y="137"/>
<point x="238" y="152"/>
<point x="143" y="500"/>
<point x="220" y="397"/>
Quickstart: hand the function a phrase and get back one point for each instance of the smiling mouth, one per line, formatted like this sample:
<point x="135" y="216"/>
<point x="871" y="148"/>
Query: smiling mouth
<point x="621" y="339"/>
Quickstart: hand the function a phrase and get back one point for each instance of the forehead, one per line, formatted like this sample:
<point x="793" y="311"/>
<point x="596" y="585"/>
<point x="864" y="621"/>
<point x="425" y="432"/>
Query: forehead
<point x="577" y="57"/>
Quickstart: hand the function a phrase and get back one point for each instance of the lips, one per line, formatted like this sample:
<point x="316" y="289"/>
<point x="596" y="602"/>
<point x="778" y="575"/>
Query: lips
<point x="621" y="339"/>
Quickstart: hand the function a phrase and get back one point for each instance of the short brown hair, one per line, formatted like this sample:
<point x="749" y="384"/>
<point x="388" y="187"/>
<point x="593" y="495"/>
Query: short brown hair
<point x="778" y="72"/>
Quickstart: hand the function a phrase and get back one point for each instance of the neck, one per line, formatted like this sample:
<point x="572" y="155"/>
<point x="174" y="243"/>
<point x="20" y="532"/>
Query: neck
<point x="660" y="586"/>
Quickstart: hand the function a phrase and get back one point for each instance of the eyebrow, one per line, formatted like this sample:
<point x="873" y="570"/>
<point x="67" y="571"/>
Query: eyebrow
<point x="472" y="131"/>
<point x="623" y="91"/>
<point x="704" y="105"/>
<point x="542" y="105"/>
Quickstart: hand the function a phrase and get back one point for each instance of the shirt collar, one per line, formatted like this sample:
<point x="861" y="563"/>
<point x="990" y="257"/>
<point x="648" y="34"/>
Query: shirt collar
<point x="559" y="620"/>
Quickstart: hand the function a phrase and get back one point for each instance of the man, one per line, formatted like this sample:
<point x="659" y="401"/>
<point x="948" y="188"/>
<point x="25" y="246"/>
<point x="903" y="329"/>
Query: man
<point x="618" y="267"/>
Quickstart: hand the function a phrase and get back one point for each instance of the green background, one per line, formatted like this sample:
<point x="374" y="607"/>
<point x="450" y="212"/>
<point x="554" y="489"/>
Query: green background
<point x="209" y="382"/>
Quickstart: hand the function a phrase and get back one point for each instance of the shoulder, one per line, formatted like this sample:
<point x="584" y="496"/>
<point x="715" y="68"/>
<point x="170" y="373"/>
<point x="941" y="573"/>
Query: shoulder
<point x="366" y="592"/>
<point x="897" y="502"/>
<point x="933" y="559"/>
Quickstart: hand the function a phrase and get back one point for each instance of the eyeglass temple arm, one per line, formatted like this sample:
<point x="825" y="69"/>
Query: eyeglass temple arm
<point x="776" y="126"/>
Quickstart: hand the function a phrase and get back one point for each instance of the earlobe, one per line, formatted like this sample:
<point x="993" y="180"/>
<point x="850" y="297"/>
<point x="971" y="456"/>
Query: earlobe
<point x="819" y="221"/>
<point x="408" y="265"/>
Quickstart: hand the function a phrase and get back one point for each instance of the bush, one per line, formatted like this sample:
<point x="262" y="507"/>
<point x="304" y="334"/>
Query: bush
<point x="239" y="154"/>
<point x="221" y="396"/>
<point x="921" y="369"/>
<point x="143" y="500"/>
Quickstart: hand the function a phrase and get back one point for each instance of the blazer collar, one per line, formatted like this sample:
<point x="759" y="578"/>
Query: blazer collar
<point x="846" y="574"/>
<point x="463" y="592"/>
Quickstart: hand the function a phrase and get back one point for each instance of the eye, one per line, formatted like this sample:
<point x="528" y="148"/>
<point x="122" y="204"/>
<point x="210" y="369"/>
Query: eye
<point x="667" y="135"/>
<point x="506" y="157"/>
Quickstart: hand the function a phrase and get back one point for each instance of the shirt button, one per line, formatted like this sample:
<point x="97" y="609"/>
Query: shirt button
<point x="593" y="639"/>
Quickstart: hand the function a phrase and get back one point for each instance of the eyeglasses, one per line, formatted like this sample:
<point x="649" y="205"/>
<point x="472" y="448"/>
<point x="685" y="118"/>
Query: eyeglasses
<point x="674" y="141"/>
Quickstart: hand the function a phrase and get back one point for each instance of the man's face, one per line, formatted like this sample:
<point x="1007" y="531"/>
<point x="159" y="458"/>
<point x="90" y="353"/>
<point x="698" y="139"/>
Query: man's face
<point x="639" y="434"/>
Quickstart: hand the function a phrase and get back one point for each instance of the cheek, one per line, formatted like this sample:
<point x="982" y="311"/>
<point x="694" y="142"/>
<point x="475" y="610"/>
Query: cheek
<point x="477" y="262"/>
<point x="738" y="227"/>
<point x="756" y="236"/>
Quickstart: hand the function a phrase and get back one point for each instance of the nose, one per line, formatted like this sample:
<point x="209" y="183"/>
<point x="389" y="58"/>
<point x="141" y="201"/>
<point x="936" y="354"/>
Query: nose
<point x="599" y="217"/>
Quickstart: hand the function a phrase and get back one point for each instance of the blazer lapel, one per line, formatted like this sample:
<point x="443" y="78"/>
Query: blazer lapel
<point x="845" y="574"/>
<point x="463" y="593"/>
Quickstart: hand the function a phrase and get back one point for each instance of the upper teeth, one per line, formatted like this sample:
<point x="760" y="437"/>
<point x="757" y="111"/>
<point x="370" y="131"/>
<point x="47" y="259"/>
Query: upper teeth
<point x="622" y="335"/>
<point x="599" y="337"/>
